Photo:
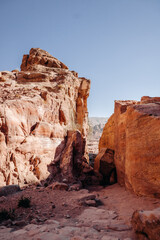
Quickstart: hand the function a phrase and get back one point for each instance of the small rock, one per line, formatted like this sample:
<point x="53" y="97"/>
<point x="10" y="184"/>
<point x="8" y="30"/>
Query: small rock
<point x="90" y="203"/>
<point x="89" y="200"/>
<point x="105" y="197"/>
<point x="19" y="223"/>
<point x="75" y="187"/>
<point x="119" y="227"/>
<point x="59" y="186"/>
<point x="40" y="219"/>
<point x="64" y="180"/>
<point x="50" y="221"/>
<point x="87" y="197"/>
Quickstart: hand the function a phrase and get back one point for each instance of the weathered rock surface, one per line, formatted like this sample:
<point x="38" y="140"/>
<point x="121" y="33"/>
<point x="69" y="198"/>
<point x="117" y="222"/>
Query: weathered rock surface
<point x="147" y="224"/>
<point x="107" y="137"/>
<point x="135" y="128"/>
<point x="73" y="153"/>
<point x="38" y="106"/>
<point x="39" y="56"/>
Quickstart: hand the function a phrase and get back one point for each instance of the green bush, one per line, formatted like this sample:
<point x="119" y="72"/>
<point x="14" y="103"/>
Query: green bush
<point x="5" y="214"/>
<point x="24" y="202"/>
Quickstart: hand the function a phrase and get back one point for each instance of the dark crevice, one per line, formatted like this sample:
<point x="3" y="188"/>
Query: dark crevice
<point x="4" y="130"/>
<point x="143" y="234"/>
<point x="34" y="127"/>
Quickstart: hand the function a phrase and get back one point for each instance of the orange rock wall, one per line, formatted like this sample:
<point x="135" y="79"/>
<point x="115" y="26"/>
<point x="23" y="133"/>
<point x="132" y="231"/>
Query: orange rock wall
<point x="107" y="138"/>
<point x="137" y="145"/>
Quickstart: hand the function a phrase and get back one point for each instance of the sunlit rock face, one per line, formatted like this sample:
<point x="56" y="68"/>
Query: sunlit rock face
<point x="133" y="132"/>
<point x="146" y="224"/>
<point x="107" y="138"/>
<point x="38" y="106"/>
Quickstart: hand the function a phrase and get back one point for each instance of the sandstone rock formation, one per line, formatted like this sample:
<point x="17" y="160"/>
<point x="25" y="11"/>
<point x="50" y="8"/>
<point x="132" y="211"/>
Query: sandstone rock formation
<point x="107" y="137"/>
<point x="133" y="132"/>
<point x="146" y="224"/>
<point x="38" y="107"/>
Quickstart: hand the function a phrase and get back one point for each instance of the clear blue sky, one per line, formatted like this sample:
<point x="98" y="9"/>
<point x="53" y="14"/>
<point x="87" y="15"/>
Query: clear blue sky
<point x="115" y="43"/>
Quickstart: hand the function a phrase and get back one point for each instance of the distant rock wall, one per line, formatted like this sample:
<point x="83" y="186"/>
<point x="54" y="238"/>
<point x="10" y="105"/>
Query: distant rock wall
<point x="96" y="125"/>
<point x="41" y="106"/>
<point x="133" y="132"/>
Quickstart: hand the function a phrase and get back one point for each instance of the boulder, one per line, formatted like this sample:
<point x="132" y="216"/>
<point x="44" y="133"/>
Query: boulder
<point x="71" y="163"/>
<point x="59" y="186"/>
<point x="147" y="224"/>
<point x="104" y="163"/>
<point x="75" y="186"/>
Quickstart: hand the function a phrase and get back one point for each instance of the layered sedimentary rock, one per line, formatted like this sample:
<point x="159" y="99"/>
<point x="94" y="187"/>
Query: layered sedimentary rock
<point x="136" y="133"/>
<point x="41" y="106"/>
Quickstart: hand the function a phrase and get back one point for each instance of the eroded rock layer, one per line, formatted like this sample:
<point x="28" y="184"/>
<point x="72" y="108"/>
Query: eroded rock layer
<point x="41" y="106"/>
<point x="133" y="132"/>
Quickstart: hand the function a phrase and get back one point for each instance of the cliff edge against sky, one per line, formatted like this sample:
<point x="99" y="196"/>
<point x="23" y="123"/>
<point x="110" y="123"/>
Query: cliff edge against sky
<point x="43" y="120"/>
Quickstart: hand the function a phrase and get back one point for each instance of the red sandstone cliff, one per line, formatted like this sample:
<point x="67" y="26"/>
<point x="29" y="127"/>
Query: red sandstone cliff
<point x="43" y="114"/>
<point x="133" y="132"/>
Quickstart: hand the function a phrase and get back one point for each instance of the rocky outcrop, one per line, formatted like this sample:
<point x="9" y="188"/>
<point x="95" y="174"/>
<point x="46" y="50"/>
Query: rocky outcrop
<point x="147" y="224"/>
<point x="38" y="107"/>
<point x="73" y="153"/>
<point x="40" y="57"/>
<point x="135" y="128"/>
